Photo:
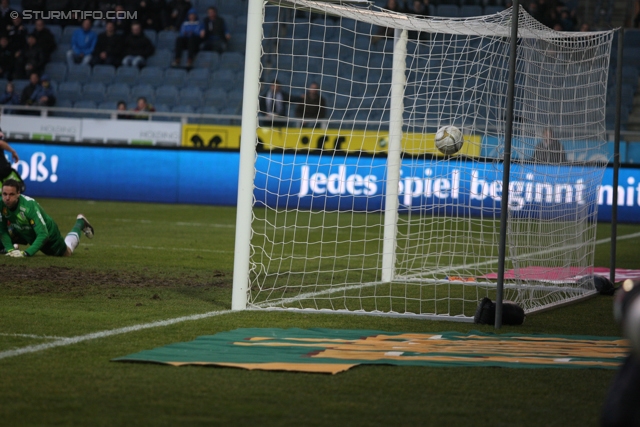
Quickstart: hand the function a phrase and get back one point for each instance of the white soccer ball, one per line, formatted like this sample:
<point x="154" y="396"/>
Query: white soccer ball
<point x="449" y="140"/>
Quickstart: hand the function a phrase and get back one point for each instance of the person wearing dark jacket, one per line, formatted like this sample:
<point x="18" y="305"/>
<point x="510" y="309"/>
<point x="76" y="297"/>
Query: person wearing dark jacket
<point x="31" y="60"/>
<point x="108" y="48"/>
<point x="216" y="34"/>
<point x="549" y="150"/>
<point x="137" y="47"/>
<point x="45" y="38"/>
<point x="34" y="82"/>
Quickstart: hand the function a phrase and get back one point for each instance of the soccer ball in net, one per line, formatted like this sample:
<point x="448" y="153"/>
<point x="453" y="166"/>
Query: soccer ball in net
<point x="449" y="140"/>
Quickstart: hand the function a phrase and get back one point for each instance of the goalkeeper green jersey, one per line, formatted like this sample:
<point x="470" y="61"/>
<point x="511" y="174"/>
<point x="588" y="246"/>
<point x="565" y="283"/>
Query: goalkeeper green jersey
<point x="27" y="224"/>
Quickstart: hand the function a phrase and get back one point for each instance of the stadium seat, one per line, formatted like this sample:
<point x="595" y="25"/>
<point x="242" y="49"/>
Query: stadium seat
<point x="191" y="96"/>
<point x="152" y="75"/>
<point x="104" y="73"/>
<point x="224" y="78"/>
<point x="448" y="10"/>
<point x="60" y="54"/>
<point x="234" y="98"/>
<point x="88" y="105"/>
<point x="70" y="91"/>
<point x="199" y="77"/>
<point x="151" y="34"/>
<point x="108" y="105"/>
<point x="631" y="38"/>
<point x="490" y="10"/>
<point x="207" y="110"/>
<point x="56" y="30"/>
<point x="57" y="71"/>
<point x="67" y="33"/>
<point x="166" y="39"/>
<point x="118" y="92"/>
<point x="143" y="90"/>
<point x="94" y="91"/>
<point x="167" y="94"/>
<point x="207" y="59"/>
<point x="238" y="43"/>
<point x="183" y="109"/>
<point x="469" y="11"/>
<point x="79" y="73"/>
<point x="235" y="8"/>
<point x="128" y="75"/>
<point x="175" y="77"/>
<point x="232" y="60"/>
<point x="162" y="58"/>
<point x="216" y="97"/>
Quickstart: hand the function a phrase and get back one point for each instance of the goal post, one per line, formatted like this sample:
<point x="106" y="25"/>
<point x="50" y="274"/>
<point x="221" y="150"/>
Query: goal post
<point x="346" y="205"/>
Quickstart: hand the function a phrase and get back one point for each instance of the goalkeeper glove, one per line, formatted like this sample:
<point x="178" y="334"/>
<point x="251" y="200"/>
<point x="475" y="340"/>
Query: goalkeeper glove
<point x="17" y="254"/>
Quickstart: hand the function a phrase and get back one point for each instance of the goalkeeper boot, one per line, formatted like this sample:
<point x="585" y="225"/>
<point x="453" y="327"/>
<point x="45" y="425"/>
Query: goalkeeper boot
<point x="87" y="228"/>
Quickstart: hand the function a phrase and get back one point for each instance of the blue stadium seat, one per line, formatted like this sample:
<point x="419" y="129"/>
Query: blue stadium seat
<point x="216" y="97"/>
<point x="224" y="78"/>
<point x="94" y="91"/>
<point x="175" y="77"/>
<point x="448" y="10"/>
<point x="79" y="73"/>
<point x="469" y="11"/>
<point x="207" y="59"/>
<point x="128" y="75"/>
<point x="491" y="10"/>
<point x="167" y="95"/>
<point x="108" y="105"/>
<point x="232" y="60"/>
<point x="199" y="77"/>
<point x="86" y="104"/>
<point x="207" y="110"/>
<point x="67" y="33"/>
<point x="183" y="109"/>
<point x="235" y="8"/>
<point x="162" y="58"/>
<point x="143" y="90"/>
<point x="166" y="39"/>
<point x="631" y="38"/>
<point x="56" y="30"/>
<point x="104" y="73"/>
<point x="70" y="91"/>
<point x="151" y="35"/>
<point x="151" y="75"/>
<point x="234" y="98"/>
<point x="60" y="54"/>
<point x="191" y="96"/>
<point x="230" y="21"/>
<point x="57" y="71"/>
<point x="118" y="92"/>
<point x="238" y="43"/>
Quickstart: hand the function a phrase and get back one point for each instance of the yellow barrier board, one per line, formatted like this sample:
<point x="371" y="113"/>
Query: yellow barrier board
<point x="210" y="136"/>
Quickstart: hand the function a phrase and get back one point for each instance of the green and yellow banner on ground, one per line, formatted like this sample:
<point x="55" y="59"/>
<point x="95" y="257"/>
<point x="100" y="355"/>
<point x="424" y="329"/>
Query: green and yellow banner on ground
<point x="333" y="351"/>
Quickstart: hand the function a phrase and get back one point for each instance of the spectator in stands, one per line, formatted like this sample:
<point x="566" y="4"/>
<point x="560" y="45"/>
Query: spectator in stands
<point x="108" y="49"/>
<point x="137" y="47"/>
<point x="392" y="5"/>
<point x="34" y="82"/>
<point x="83" y="42"/>
<point x="152" y="14"/>
<point x="142" y="106"/>
<point x="216" y="34"/>
<point x="7" y="59"/>
<point x="549" y="149"/>
<point x="178" y="13"/>
<point x="122" y="23"/>
<point x="5" y="16"/>
<point x="418" y="8"/>
<point x="122" y="106"/>
<point x="274" y="105"/>
<point x="45" y="38"/>
<point x="191" y="35"/>
<point x="17" y="33"/>
<point x="44" y="96"/>
<point x="603" y="11"/>
<point x="31" y="59"/>
<point x="9" y="97"/>
<point x="312" y="106"/>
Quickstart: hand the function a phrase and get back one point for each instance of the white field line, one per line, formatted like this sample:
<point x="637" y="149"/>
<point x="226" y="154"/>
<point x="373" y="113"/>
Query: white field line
<point x="183" y="224"/>
<point x="108" y="333"/>
<point x="103" y="334"/>
<point x="159" y="248"/>
<point x="43" y="337"/>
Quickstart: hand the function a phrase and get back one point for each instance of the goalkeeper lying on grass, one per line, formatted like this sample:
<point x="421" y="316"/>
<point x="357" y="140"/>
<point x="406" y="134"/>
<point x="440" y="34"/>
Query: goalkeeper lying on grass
<point x="23" y="221"/>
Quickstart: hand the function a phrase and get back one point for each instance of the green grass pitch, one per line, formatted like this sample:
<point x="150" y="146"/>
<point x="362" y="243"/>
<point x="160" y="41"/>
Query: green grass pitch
<point x="151" y="262"/>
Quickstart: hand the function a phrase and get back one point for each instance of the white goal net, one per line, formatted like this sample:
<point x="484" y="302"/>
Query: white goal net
<point x="353" y="207"/>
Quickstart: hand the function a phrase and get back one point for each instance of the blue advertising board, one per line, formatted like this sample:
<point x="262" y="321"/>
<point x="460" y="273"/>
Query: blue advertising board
<point x="455" y="187"/>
